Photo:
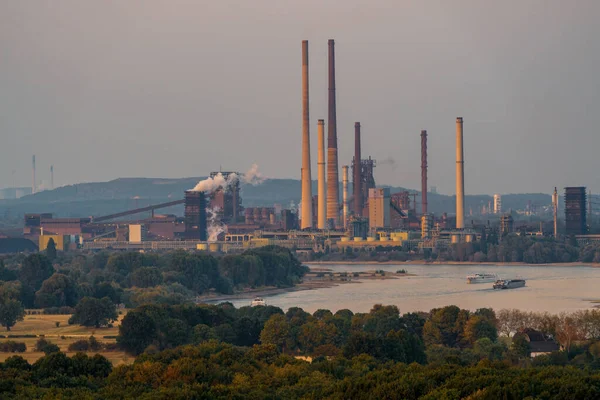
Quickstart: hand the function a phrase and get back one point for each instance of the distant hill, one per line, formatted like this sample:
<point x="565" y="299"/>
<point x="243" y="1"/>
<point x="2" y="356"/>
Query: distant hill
<point x="101" y="198"/>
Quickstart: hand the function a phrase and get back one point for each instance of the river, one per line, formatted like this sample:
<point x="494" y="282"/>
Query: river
<point x="549" y="288"/>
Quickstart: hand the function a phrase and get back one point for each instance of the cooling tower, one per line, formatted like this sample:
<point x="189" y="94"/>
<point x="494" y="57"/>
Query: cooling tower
<point x="306" y="178"/>
<point x="345" y="196"/>
<point x="333" y="190"/>
<point x="357" y="179"/>
<point x="460" y="176"/>
<point x="322" y="189"/>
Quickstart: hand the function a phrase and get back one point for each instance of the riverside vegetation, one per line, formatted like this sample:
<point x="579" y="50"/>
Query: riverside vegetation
<point x="218" y="351"/>
<point x="184" y="350"/>
<point x="513" y="248"/>
<point x="89" y="286"/>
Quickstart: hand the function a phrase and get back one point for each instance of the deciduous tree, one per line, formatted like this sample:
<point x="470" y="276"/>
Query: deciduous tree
<point x="94" y="312"/>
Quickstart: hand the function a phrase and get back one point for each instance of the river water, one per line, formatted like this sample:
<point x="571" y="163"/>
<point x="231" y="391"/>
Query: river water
<point x="549" y="288"/>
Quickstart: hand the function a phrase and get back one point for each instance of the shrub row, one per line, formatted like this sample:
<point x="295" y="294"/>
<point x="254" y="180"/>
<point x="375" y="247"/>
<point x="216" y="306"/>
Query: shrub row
<point x="92" y="344"/>
<point x="59" y="311"/>
<point x="13" y="347"/>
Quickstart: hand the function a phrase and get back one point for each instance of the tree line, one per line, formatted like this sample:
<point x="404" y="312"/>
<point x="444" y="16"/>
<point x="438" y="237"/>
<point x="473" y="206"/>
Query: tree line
<point x="92" y="284"/>
<point x="383" y="333"/>
<point x="523" y="249"/>
<point x="219" y="351"/>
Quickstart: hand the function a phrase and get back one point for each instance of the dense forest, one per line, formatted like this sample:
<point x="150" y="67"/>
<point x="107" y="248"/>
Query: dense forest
<point x="206" y="351"/>
<point x="70" y="283"/>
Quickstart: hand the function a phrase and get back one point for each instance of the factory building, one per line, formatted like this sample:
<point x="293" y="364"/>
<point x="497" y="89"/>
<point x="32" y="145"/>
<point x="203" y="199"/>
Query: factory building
<point x="426" y="225"/>
<point x="506" y="224"/>
<point x="497" y="204"/>
<point x="227" y="202"/>
<point x="195" y="216"/>
<point x="575" y="211"/>
<point x="366" y="183"/>
<point x="379" y="208"/>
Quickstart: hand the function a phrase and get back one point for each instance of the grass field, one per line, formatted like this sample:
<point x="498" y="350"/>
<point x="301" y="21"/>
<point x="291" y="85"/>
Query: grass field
<point x="63" y="336"/>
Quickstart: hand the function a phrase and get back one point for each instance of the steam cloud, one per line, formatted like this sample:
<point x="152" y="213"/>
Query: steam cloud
<point x="253" y="176"/>
<point x="214" y="227"/>
<point x="209" y="185"/>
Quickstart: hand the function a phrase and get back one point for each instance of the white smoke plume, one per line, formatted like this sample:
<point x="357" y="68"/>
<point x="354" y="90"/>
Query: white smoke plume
<point x="253" y="176"/>
<point x="209" y="184"/>
<point x="214" y="227"/>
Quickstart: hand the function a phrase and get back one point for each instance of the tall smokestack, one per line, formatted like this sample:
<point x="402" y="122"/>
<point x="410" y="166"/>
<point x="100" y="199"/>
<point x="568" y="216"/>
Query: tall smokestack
<point x="322" y="189"/>
<point x="307" y="219"/>
<point x="333" y="190"/>
<point x="424" y="172"/>
<point x="33" y="174"/>
<point x="555" y="211"/>
<point x="460" y="176"/>
<point x="357" y="181"/>
<point x="345" y="196"/>
<point x="52" y="177"/>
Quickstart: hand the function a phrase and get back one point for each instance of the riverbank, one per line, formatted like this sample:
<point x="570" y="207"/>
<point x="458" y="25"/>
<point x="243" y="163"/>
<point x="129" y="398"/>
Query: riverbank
<point x="318" y="278"/>
<point x="457" y="263"/>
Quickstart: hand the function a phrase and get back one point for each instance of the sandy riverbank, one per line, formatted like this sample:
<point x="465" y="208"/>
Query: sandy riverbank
<point x="423" y="262"/>
<point x="311" y="282"/>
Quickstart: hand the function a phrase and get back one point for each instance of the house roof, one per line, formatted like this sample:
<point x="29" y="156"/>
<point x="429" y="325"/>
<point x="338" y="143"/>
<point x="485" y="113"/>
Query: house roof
<point x="543" y="347"/>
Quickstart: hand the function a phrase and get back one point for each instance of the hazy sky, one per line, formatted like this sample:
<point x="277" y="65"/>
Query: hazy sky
<point x="106" y="89"/>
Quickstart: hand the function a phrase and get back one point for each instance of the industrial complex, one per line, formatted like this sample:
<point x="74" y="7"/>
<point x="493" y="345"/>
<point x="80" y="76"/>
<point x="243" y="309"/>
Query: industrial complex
<point x="367" y="217"/>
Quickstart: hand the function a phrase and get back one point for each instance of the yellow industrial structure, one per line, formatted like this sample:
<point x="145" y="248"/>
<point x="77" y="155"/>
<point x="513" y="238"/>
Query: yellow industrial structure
<point x="379" y="208"/>
<point x="61" y="241"/>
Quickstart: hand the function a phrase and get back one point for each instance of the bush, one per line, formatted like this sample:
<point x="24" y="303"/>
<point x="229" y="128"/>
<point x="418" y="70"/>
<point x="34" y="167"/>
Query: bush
<point x="401" y="271"/>
<point x="57" y="323"/>
<point x="46" y="346"/>
<point x="90" y="344"/>
<point x="58" y="311"/>
<point x="13" y="347"/>
<point x="80" y="345"/>
<point x="111" y="347"/>
<point x="21" y="336"/>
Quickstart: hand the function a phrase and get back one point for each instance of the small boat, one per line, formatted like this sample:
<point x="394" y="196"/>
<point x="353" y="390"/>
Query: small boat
<point x="258" y="301"/>
<point x="482" y="278"/>
<point x="509" y="283"/>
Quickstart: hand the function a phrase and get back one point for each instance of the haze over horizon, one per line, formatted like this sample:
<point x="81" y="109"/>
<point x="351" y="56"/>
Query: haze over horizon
<point x="103" y="90"/>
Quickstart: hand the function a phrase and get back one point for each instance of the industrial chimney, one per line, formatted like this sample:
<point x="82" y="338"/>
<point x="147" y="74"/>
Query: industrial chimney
<point x="52" y="177"/>
<point x="423" y="172"/>
<point x="460" y="176"/>
<point x="307" y="217"/>
<point x="345" y="196"/>
<point x="33" y="174"/>
<point x="333" y="190"/>
<point x="555" y="211"/>
<point x="321" y="188"/>
<point x="356" y="178"/>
